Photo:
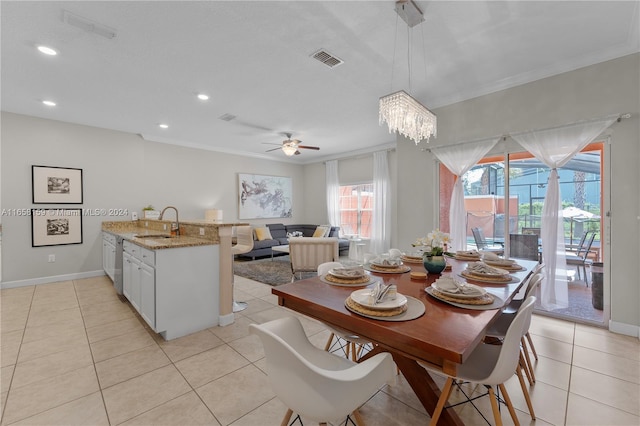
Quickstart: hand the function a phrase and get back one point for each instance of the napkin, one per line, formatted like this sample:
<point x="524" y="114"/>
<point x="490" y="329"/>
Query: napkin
<point x="394" y="254"/>
<point x="449" y="284"/>
<point x="483" y="268"/>
<point x="467" y="253"/>
<point x="490" y="256"/>
<point x="350" y="271"/>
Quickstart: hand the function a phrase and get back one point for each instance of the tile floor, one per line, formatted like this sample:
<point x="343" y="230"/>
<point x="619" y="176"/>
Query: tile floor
<point x="74" y="354"/>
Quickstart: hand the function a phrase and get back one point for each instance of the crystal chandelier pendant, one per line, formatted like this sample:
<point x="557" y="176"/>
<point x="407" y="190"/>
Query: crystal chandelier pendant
<point x="405" y="115"/>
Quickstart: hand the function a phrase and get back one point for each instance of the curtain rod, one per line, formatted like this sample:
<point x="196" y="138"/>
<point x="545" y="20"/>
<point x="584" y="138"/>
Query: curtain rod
<point x="363" y="155"/>
<point x="504" y="137"/>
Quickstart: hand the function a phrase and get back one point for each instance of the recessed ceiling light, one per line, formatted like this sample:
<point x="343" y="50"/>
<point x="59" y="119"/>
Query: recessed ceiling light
<point x="163" y="126"/>
<point x="47" y="50"/>
<point x="49" y="103"/>
<point x="203" y="97"/>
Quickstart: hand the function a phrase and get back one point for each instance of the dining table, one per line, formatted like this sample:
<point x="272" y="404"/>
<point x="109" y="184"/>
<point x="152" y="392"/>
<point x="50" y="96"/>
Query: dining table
<point x="443" y="337"/>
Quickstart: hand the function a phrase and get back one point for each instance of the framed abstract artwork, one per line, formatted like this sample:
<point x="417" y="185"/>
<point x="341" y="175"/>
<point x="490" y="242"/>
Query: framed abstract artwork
<point x="264" y="196"/>
<point x="54" y="227"/>
<point x="56" y="185"/>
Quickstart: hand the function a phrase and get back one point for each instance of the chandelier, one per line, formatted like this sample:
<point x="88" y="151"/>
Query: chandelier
<point x="402" y="113"/>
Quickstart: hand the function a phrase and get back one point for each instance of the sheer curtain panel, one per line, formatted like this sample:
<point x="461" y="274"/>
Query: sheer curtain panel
<point x="555" y="147"/>
<point x="380" y="232"/>
<point x="459" y="159"/>
<point x="333" y="192"/>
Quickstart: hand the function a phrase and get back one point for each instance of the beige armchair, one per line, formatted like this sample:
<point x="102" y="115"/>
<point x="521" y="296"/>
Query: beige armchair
<point x="307" y="253"/>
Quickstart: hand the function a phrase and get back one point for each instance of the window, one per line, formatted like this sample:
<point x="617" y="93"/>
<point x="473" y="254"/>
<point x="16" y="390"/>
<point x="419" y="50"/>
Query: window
<point x="356" y="208"/>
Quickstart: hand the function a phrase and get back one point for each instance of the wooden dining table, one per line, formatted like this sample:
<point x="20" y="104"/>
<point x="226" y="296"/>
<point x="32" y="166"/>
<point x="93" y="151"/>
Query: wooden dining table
<point x="443" y="337"/>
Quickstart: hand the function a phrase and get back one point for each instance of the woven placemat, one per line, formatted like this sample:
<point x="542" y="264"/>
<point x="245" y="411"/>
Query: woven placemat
<point x="374" y="312"/>
<point x="394" y="270"/>
<point x="492" y="278"/>
<point x="485" y="299"/>
<point x="358" y="280"/>
<point x="416" y="260"/>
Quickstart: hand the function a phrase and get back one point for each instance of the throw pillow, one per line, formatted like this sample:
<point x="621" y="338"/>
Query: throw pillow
<point x="263" y="234"/>
<point x="320" y="231"/>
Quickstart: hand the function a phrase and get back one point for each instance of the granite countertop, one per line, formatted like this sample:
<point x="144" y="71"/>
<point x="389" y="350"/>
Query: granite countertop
<point x="158" y="240"/>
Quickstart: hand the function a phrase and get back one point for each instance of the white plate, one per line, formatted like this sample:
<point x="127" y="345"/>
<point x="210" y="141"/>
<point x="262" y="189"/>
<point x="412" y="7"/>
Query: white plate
<point x="478" y="291"/>
<point x="381" y="265"/>
<point x="339" y="274"/>
<point x="363" y="297"/>
<point x="497" y="274"/>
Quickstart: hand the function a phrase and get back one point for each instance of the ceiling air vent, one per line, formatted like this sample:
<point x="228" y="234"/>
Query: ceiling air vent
<point x="327" y="58"/>
<point x="227" y="117"/>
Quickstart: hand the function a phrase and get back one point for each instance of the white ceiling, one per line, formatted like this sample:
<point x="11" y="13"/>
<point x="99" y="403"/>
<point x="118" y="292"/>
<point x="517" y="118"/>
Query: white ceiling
<point x="253" y="59"/>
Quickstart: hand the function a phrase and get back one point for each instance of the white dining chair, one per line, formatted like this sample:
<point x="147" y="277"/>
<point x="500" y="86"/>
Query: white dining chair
<point x="316" y="384"/>
<point x="490" y="365"/>
<point x="352" y="345"/>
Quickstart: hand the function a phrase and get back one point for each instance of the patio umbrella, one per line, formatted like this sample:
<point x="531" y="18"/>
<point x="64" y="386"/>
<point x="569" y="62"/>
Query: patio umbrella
<point x="573" y="213"/>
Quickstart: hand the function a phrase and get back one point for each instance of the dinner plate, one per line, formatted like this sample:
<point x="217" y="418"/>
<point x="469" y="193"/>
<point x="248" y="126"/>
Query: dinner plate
<point x="500" y="262"/>
<point x="403" y="269"/>
<point x="497" y="273"/>
<point x="490" y="279"/>
<point x="478" y="291"/>
<point x="340" y="274"/>
<point x="363" y="297"/>
<point x="497" y="302"/>
<point x="371" y="280"/>
<point x="386" y="266"/>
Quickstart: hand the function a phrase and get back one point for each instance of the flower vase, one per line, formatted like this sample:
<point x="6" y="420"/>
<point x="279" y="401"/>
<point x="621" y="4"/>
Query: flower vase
<point x="434" y="264"/>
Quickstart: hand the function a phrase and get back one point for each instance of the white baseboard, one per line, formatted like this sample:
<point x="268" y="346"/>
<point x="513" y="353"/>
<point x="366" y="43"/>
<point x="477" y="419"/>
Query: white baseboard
<point x="626" y="329"/>
<point x="225" y="319"/>
<point x="54" y="279"/>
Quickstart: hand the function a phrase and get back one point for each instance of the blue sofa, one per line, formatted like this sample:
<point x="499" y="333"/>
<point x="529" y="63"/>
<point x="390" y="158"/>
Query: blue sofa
<point x="279" y="233"/>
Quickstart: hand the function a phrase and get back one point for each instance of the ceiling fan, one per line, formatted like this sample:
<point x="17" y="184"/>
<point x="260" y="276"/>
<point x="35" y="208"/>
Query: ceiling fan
<point x="292" y="146"/>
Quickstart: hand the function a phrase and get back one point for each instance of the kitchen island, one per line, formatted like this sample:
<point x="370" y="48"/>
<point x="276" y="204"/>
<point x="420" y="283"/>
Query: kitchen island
<point x="179" y="284"/>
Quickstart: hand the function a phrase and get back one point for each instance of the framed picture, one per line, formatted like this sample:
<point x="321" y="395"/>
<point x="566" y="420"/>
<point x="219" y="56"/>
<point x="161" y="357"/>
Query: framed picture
<point x="54" y="227"/>
<point x="56" y="185"/>
<point x="264" y="196"/>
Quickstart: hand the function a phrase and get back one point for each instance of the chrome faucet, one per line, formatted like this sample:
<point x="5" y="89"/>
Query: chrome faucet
<point x="174" y="230"/>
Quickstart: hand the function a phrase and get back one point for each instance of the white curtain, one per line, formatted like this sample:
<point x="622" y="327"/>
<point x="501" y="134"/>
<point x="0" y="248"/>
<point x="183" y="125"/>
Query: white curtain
<point x="459" y="159"/>
<point x="333" y="192"/>
<point x="555" y="147"/>
<point x="381" y="217"/>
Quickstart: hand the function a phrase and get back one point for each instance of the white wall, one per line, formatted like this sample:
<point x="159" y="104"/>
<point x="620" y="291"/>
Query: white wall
<point x="120" y="170"/>
<point x="592" y="92"/>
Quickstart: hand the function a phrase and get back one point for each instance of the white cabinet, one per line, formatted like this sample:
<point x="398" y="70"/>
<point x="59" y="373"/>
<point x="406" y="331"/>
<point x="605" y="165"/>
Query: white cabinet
<point x="109" y="254"/>
<point x="139" y="280"/>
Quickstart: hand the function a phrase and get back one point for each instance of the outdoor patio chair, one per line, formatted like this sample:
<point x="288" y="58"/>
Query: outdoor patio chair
<point x="483" y="245"/>
<point x="580" y="258"/>
<point x="524" y="246"/>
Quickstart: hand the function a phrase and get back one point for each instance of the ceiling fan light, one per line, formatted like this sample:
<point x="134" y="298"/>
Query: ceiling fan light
<point x="289" y="149"/>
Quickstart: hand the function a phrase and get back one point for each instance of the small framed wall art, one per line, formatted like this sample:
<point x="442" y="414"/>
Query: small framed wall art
<point x="54" y="227"/>
<point x="56" y="185"/>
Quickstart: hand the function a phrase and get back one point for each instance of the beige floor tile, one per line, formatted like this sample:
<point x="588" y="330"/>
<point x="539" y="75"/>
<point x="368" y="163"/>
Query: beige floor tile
<point x="110" y="348"/>
<point x="58" y="329"/>
<point x="256" y="305"/>
<point x="114" y="329"/>
<point x="235" y="394"/>
<point x="549" y="402"/>
<point x="51" y="345"/>
<point x="583" y="411"/>
<point x="55" y="304"/>
<point x="6" y="374"/>
<point x="187" y="409"/>
<point x="237" y="330"/>
<point x="616" y="393"/>
<point x="47" y="318"/>
<point x="554" y="349"/>
<point x="611" y="365"/>
<point x="38" y="397"/>
<point x="15" y="320"/>
<point x="105" y="313"/>
<point x="249" y="347"/>
<point x="87" y="300"/>
<point x="17" y="292"/>
<point x="210" y="365"/>
<point x="53" y="289"/>
<point x="383" y="409"/>
<point x="551" y="330"/>
<point x="271" y="299"/>
<point x="192" y="344"/>
<point x="252" y="288"/>
<point x="131" y="364"/>
<point x="615" y="344"/>
<point x="401" y="390"/>
<point x="129" y="399"/>
<point x="552" y="372"/>
<point x="270" y="413"/>
<point x="88" y="410"/>
<point x="53" y="365"/>
<point x="269" y="315"/>
<point x="10" y="347"/>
